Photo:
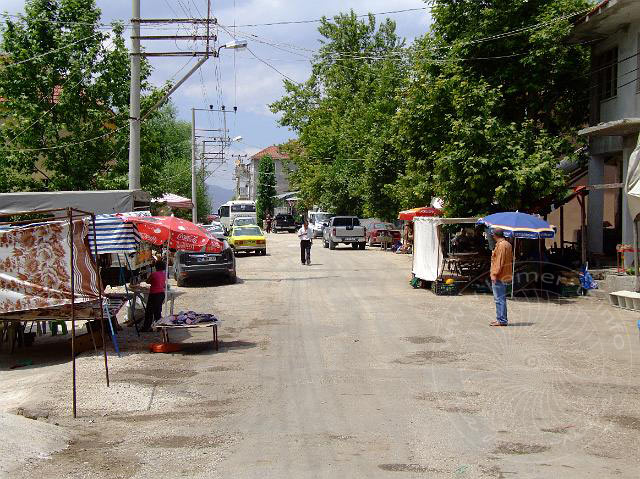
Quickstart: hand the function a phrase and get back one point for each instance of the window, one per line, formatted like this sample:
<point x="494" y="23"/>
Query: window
<point x="243" y="208"/>
<point x="247" y="231"/>
<point x="224" y="211"/>
<point x="348" y="222"/>
<point x="607" y="74"/>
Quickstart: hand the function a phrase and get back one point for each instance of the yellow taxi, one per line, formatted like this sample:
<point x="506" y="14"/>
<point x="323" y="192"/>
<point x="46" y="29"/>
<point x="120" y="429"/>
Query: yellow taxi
<point x="248" y="238"/>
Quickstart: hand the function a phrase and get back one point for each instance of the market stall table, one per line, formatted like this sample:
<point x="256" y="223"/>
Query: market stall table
<point x="166" y="327"/>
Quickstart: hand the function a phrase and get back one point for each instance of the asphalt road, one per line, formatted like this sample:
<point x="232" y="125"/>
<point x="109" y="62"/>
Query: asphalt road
<point x="342" y="370"/>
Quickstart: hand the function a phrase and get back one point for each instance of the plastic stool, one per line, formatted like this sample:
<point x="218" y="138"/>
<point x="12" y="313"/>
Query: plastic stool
<point x="53" y="325"/>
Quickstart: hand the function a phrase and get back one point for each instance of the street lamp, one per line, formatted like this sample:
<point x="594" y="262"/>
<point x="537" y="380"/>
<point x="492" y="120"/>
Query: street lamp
<point x="237" y="138"/>
<point x="233" y="45"/>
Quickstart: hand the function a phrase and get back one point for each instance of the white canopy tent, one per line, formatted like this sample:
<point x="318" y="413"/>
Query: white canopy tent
<point x="427" y="249"/>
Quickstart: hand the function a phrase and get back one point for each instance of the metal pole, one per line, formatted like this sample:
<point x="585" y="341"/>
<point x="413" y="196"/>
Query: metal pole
<point x="73" y="310"/>
<point x="134" y="100"/>
<point x="513" y="274"/>
<point x="562" y="228"/>
<point x="194" y="186"/>
<point x="100" y="298"/>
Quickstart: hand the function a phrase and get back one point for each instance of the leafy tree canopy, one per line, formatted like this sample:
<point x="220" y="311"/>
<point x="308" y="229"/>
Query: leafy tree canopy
<point x="478" y="111"/>
<point x="266" y="188"/>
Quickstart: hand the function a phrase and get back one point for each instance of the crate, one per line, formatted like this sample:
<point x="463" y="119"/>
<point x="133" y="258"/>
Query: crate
<point x="439" y="288"/>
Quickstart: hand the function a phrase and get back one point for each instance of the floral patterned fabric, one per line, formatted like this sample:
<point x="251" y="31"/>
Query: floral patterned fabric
<point x="35" y="269"/>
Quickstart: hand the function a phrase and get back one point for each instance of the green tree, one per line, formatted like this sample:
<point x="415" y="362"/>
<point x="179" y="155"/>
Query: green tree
<point x="63" y="81"/>
<point x="341" y="110"/>
<point x="485" y="123"/>
<point x="266" y="188"/>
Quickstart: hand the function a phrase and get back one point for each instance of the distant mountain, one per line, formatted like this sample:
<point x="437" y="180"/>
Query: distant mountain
<point x="218" y="195"/>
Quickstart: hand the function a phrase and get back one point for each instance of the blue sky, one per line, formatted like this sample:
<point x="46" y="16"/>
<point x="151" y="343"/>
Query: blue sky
<point x="238" y="78"/>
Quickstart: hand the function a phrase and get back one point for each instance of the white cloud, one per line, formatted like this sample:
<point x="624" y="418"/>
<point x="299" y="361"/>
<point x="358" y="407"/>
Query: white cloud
<point x="257" y="85"/>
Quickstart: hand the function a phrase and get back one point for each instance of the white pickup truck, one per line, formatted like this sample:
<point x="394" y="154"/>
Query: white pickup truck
<point x="345" y="230"/>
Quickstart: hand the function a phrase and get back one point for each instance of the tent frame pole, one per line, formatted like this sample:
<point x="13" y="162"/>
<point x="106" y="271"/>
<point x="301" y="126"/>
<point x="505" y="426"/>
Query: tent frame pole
<point x="73" y="312"/>
<point x="101" y="299"/>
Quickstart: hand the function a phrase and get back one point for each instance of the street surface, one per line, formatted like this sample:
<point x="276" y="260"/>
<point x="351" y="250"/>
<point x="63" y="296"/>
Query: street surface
<point x="342" y="370"/>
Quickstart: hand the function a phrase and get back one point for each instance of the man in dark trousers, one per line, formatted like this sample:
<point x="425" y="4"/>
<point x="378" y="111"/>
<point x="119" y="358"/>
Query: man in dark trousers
<point x="501" y="272"/>
<point x="306" y="237"/>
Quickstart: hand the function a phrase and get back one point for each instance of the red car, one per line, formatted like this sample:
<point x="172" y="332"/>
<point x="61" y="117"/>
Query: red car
<point x="377" y="229"/>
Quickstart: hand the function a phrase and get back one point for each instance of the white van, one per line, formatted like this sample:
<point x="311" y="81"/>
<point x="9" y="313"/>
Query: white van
<point x="235" y="208"/>
<point x="317" y="221"/>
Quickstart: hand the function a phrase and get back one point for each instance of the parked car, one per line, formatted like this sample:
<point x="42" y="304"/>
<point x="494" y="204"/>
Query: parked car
<point x="345" y="230"/>
<point x="244" y="220"/>
<point x="284" y="222"/>
<point x="382" y="229"/>
<point x="216" y="230"/>
<point x="248" y="238"/>
<point x="189" y="265"/>
<point x="318" y="220"/>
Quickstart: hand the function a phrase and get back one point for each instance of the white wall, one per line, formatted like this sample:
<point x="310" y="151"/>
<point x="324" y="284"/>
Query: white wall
<point x="627" y="102"/>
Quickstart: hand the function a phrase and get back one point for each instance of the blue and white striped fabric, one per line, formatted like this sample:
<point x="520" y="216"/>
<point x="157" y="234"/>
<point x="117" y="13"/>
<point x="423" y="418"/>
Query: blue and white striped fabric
<point x="113" y="235"/>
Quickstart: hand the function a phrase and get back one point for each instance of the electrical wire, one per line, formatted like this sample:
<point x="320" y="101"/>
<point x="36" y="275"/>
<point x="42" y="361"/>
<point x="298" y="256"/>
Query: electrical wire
<point x="273" y="68"/>
<point x="49" y="52"/>
<point x="318" y="20"/>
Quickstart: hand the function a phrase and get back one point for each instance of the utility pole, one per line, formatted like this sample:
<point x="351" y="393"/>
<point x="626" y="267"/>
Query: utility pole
<point x="194" y="186"/>
<point x="223" y="140"/>
<point x="135" y="115"/>
<point x="134" y="101"/>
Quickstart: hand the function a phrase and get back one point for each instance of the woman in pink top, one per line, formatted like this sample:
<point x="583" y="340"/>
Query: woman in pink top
<point x="158" y="281"/>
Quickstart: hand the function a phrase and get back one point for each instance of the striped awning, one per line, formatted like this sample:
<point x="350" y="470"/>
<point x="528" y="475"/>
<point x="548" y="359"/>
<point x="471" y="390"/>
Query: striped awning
<point x="113" y="235"/>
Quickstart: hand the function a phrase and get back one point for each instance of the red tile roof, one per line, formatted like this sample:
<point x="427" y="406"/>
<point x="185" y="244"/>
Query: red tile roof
<point x="272" y="151"/>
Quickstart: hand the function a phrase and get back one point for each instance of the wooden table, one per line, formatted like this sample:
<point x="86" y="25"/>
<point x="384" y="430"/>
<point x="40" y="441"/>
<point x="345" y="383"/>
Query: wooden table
<point x="166" y="327"/>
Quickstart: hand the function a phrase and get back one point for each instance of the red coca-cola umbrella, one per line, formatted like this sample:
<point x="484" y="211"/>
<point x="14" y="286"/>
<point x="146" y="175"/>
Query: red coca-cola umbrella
<point x="182" y="235"/>
<point x="408" y="215"/>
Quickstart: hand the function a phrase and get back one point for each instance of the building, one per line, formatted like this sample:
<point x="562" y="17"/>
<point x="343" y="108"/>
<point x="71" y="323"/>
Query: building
<point x="243" y="180"/>
<point x="282" y="170"/>
<point x="613" y="28"/>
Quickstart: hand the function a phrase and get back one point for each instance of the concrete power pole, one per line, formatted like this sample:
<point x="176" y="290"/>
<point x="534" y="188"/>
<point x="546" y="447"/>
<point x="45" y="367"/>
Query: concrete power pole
<point x="194" y="186"/>
<point x="134" y="101"/>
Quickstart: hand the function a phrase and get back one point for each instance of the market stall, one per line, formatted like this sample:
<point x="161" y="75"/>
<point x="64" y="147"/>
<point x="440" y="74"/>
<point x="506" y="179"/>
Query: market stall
<point x="517" y="225"/>
<point x="48" y="273"/>
<point x="429" y="261"/>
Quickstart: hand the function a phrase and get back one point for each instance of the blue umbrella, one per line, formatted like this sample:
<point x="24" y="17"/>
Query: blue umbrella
<point x="518" y="225"/>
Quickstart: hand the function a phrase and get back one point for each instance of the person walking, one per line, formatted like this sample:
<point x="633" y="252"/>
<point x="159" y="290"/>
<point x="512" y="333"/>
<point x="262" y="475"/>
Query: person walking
<point x="306" y="238"/>
<point x="269" y="220"/>
<point x="501" y="267"/>
<point x="157" y="280"/>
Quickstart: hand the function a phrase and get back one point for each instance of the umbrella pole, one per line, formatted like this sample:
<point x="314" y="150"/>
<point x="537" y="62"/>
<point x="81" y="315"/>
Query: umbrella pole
<point x="166" y="281"/>
<point x="513" y="269"/>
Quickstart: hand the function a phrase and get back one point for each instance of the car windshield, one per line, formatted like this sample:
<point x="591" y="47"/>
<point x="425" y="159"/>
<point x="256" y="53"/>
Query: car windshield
<point x="247" y="231"/>
<point x="320" y="217"/>
<point x="244" y="221"/>
<point x="243" y="208"/>
<point x="214" y="228"/>
<point x="346" y="222"/>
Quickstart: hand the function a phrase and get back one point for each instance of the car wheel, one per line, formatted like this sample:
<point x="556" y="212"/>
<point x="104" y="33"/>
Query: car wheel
<point x="370" y="241"/>
<point x="332" y="245"/>
<point x="324" y="244"/>
<point x="232" y="278"/>
<point x="181" y="282"/>
<point x="354" y="245"/>
<point x="264" y="252"/>
<point x="362" y="245"/>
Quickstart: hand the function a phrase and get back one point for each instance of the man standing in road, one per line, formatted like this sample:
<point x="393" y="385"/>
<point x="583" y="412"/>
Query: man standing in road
<point x="501" y="264"/>
<point x="306" y="237"/>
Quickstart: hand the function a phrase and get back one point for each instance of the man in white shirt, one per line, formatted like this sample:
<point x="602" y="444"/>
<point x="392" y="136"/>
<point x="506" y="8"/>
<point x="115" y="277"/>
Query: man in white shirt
<point x="306" y="238"/>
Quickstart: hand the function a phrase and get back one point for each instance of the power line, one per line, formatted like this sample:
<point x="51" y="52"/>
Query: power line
<point x="273" y="68"/>
<point x="49" y="52"/>
<point x="318" y="20"/>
